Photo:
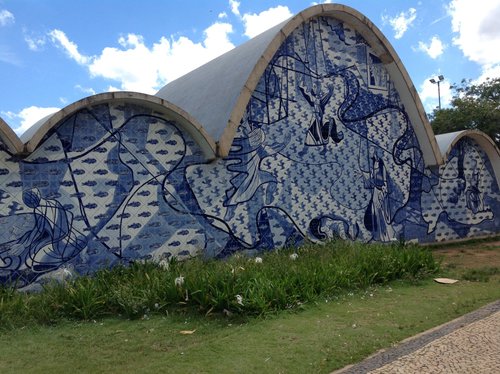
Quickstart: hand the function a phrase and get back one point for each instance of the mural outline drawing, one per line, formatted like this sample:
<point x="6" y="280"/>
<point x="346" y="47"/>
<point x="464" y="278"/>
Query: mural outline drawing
<point x="325" y="148"/>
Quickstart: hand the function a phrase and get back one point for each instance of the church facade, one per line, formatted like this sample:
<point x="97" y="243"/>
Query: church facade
<point x="310" y="131"/>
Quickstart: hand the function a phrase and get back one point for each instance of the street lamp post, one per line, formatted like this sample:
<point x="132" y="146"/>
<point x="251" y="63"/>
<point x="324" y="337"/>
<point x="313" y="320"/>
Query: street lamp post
<point x="440" y="79"/>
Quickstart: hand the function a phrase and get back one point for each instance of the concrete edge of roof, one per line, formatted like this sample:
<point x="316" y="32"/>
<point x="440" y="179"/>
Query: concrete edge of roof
<point x="448" y="141"/>
<point x="377" y="41"/>
<point x="10" y="138"/>
<point x="29" y="142"/>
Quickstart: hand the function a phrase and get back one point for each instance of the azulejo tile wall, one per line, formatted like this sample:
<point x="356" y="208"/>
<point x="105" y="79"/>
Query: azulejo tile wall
<point x="324" y="149"/>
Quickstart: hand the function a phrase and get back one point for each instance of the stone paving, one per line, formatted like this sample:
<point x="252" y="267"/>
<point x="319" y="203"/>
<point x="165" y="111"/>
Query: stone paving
<point x="469" y="344"/>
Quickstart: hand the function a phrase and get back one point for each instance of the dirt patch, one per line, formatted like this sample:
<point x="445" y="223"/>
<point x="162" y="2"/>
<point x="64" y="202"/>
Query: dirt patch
<point x="471" y="255"/>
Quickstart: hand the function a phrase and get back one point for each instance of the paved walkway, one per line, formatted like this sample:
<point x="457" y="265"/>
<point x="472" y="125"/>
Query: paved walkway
<point x="469" y="344"/>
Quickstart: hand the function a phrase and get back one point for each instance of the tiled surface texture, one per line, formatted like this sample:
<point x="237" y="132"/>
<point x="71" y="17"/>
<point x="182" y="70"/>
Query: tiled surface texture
<point x="325" y="149"/>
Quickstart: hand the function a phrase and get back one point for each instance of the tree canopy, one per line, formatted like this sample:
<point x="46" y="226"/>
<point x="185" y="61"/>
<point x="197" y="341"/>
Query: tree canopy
<point x="474" y="106"/>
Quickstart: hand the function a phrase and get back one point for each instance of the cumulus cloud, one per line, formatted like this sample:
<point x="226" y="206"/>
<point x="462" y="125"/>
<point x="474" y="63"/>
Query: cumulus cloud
<point x="27" y="117"/>
<point x="477" y="31"/>
<point x="321" y="2"/>
<point x="434" y="48"/>
<point x="401" y="22"/>
<point x="235" y="7"/>
<point x="60" y="39"/>
<point x="429" y="93"/>
<point x="85" y="90"/>
<point x="6" y="17"/>
<point x="257" y="23"/>
<point x="139" y="67"/>
<point x="35" y="43"/>
<point x="489" y="71"/>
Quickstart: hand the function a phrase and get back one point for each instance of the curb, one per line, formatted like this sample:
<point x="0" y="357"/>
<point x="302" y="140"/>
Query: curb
<point x="411" y="344"/>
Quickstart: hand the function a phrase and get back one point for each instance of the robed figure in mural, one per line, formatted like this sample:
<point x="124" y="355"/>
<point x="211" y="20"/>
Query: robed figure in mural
<point x="378" y="214"/>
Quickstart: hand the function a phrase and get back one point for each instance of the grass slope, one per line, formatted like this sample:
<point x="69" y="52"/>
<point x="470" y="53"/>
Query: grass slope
<point x="321" y="336"/>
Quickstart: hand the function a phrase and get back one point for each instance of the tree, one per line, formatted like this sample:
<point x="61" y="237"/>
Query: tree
<point x="474" y="106"/>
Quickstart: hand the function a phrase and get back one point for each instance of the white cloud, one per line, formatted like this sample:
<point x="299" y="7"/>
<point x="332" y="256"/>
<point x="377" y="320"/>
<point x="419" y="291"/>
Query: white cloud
<point x="257" y="23"/>
<point x="6" y="17"/>
<point x="477" y="31"/>
<point x="60" y="39"/>
<point x="9" y="57"/>
<point x="235" y="7"/>
<point x="401" y="22"/>
<point x="34" y="43"/>
<point x="429" y="93"/>
<point x="27" y="117"/>
<point x="167" y="59"/>
<point x="434" y="49"/>
<point x="85" y="90"/>
<point x="222" y="15"/>
<point x="489" y="71"/>
<point x="321" y="2"/>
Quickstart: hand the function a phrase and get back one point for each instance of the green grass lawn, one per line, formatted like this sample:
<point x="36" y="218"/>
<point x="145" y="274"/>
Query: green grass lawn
<point x="321" y="336"/>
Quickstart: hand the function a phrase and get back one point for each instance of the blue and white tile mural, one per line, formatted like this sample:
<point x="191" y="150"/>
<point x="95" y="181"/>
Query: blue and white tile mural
<point x="324" y="149"/>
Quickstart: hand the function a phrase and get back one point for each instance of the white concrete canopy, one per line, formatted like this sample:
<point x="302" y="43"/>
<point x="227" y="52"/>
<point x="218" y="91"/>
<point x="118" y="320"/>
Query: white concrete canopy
<point x="217" y="93"/>
<point x="35" y="134"/>
<point x="447" y="141"/>
<point x="9" y="138"/>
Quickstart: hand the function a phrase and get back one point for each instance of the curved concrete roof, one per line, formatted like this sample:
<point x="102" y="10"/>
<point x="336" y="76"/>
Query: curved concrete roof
<point x="9" y="138"/>
<point x="34" y="135"/>
<point x="447" y="141"/>
<point x="217" y="93"/>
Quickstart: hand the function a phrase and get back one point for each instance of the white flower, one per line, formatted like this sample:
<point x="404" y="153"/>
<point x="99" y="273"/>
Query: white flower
<point x="164" y="264"/>
<point x="294" y="256"/>
<point x="233" y="270"/>
<point x="239" y="299"/>
<point x="179" y="281"/>
<point x="258" y="260"/>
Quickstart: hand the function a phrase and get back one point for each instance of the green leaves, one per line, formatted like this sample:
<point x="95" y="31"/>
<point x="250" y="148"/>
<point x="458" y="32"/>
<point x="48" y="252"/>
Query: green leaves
<point x="474" y="106"/>
<point x="281" y="280"/>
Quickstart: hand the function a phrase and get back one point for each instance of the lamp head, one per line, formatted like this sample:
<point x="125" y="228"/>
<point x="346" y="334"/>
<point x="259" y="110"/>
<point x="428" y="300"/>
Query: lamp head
<point x="432" y="80"/>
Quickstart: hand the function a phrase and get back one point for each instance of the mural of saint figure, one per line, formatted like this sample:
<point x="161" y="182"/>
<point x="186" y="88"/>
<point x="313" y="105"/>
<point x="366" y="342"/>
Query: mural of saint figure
<point x="377" y="215"/>
<point x="320" y="131"/>
<point x="473" y="196"/>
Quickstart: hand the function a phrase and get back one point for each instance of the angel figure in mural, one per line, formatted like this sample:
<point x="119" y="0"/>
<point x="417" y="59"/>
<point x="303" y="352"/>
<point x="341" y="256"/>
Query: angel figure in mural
<point x="378" y="214"/>
<point x="249" y="150"/>
<point x="320" y="131"/>
<point x="49" y="243"/>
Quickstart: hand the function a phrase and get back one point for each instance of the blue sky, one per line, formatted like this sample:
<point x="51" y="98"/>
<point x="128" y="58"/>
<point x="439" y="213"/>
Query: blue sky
<point x="55" y="52"/>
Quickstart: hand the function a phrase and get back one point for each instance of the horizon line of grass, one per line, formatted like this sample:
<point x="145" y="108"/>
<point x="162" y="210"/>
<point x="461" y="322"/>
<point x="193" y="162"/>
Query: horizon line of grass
<point x="278" y="280"/>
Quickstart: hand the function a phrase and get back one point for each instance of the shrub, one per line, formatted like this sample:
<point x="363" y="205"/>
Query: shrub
<point x="282" y="279"/>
